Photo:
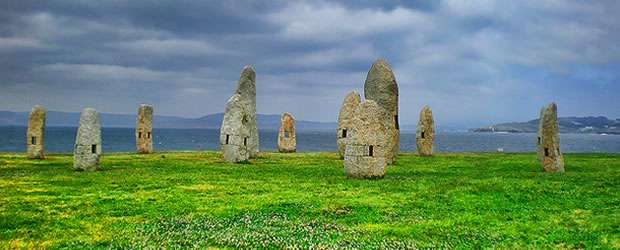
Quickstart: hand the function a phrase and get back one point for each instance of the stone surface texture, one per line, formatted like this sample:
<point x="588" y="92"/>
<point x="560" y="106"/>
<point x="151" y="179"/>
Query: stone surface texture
<point x="35" y="134"/>
<point x="144" y="129"/>
<point x="235" y="131"/>
<point x="88" y="142"/>
<point x="246" y="87"/>
<point x="286" y="135"/>
<point x="551" y="156"/>
<point x="381" y="87"/>
<point x="425" y="135"/>
<point x="366" y="147"/>
<point x="345" y="120"/>
<point x="539" y="148"/>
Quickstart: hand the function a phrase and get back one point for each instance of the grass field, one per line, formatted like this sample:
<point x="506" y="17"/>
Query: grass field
<point x="304" y="200"/>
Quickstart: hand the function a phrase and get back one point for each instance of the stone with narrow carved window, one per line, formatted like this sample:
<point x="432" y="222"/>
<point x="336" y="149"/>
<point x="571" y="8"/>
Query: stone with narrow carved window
<point x="381" y="87"/>
<point x="246" y="87"/>
<point x="366" y="147"/>
<point x="36" y="132"/>
<point x="286" y="135"/>
<point x="87" y="148"/>
<point x="549" y="137"/>
<point x="345" y="119"/>
<point x="425" y="134"/>
<point x="144" y="129"/>
<point x="235" y="131"/>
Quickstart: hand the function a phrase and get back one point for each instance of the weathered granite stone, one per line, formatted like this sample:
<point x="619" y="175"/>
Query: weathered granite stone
<point x="286" y="136"/>
<point x="539" y="148"/>
<point x="36" y="132"/>
<point x="246" y="87"/>
<point x="235" y="131"/>
<point x="366" y="147"/>
<point x="425" y="135"/>
<point x="381" y="87"/>
<point x="87" y="149"/>
<point x="345" y="119"/>
<point x="144" y="129"/>
<point x="550" y="140"/>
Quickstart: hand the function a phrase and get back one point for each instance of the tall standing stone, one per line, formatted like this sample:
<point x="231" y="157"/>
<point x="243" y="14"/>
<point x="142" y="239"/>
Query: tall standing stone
<point x="235" y="131"/>
<point x="144" y="129"/>
<point x="425" y="135"/>
<point x="36" y="132"/>
<point x="246" y="87"/>
<point x="87" y="149"/>
<point x="539" y="147"/>
<point x="381" y="87"/>
<point x="345" y="120"/>
<point x="287" y="143"/>
<point x="366" y="147"/>
<point x="550" y="140"/>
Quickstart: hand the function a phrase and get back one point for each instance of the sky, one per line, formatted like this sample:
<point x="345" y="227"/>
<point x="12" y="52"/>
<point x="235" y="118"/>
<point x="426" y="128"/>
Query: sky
<point x="474" y="62"/>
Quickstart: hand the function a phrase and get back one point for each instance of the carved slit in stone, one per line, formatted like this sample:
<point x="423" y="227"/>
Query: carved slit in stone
<point x="422" y="135"/>
<point x="344" y="133"/>
<point x="139" y="134"/>
<point x="396" y="122"/>
<point x="370" y="151"/>
<point x="286" y="135"/>
<point x="148" y="135"/>
<point x="245" y="141"/>
<point x="93" y="148"/>
<point x="33" y="140"/>
<point x="227" y="139"/>
<point x="539" y="140"/>
<point x="546" y="152"/>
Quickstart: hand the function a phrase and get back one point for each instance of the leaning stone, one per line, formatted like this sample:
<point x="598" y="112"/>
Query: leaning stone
<point x="235" y="130"/>
<point x="36" y="132"/>
<point x="550" y="140"/>
<point x="246" y="87"/>
<point x="366" y="147"/>
<point x="286" y="136"/>
<point x="425" y="135"/>
<point x="144" y="129"/>
<point x="88" y="142"/>
<point x="381" y="87"/>
<point x="345" y="119"/>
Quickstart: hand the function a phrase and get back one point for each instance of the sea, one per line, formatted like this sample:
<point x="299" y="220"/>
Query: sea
<point x="61" y="139"/>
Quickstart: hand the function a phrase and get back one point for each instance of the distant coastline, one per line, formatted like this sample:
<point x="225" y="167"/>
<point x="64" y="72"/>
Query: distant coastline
<point x="575" y="125"/>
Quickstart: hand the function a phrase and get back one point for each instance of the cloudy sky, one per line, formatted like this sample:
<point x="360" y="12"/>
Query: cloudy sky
<point x="474" y="62"/>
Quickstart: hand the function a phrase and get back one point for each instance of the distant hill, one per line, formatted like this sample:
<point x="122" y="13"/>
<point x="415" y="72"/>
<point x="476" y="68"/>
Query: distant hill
<point x="582" y="125"/>
<point x="67" y="119"/>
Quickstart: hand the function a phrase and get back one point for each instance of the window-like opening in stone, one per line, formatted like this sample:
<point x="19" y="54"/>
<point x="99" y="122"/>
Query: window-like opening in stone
<point x="93" y="148"/>
<point x="139" y="134"/>
<point x="370" y="150"/>
<point x="558" y="151"/>
<point x="422" y="135"/>
<point x="344" y="133"/>
<point x="245" y="141"/>
<point x="546" y="152"/>
<point x="396" y="121"/>
<point x="539" y="140"/>
<point x="227" y="139"/>
<point x="33" y="140"/>
<point x="286" y="134"/>
<point x="148" y="135"/>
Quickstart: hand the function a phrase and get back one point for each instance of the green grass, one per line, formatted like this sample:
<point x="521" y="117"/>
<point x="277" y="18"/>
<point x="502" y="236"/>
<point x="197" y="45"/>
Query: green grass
<point x="194" y="199"/>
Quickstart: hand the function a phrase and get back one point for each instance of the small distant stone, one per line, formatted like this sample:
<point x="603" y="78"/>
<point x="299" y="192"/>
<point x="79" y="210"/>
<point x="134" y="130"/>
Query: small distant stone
<point x="345" y="120"/>
<point x="36" y="133"/>
<point x="500" y="150"/>
<point x="425" y="135"/>
<point x="144" y="129"/>
<point x="87" y="149"/>
<point x="287" y="143"/>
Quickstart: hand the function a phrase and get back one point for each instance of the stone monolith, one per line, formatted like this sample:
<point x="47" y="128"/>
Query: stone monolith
<point x="87" y="149"/>
<point x="381" y="87"/>
<point x="366" y="147"/>
<point x="539" y="147"/>
<point x="345" y="120"/>
<point x="551" y="156"/>
<point x="36" y="132"/>
<point x="144" y="129"/>
<point x="286" y="135"/>
<point x="246" y="87"/>
<point x="235" y="131"/>
<point x="425" y="135"/>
